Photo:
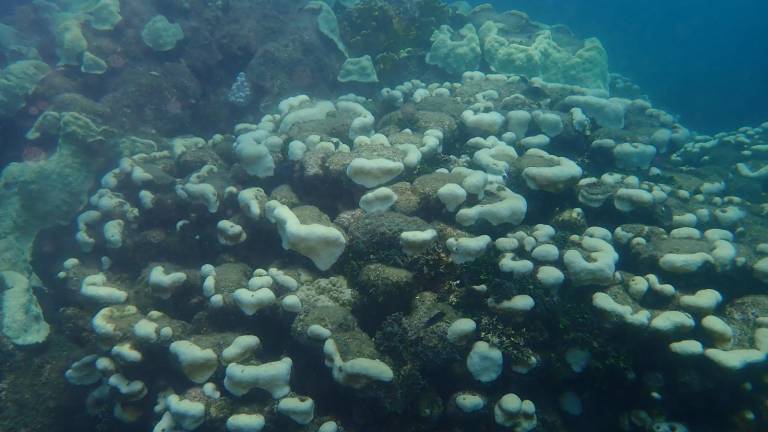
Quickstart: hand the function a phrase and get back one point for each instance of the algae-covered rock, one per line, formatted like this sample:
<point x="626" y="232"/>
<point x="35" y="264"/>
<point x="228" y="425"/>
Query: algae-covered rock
<point x="425" y="329"/>
<point x="378" y="234"/>
<point x="23" y="321"/>
<point x="17" y="81"/>
<point x="408" y="202"/>
<point x="395" y="33"/>
<point x="426" y="186"/>
<point x="285" y="195"/>
<point x="161" y="35"/>
<point x="388" y="288"/>
<point x="332" y="291"/>
<point x="335" y="319"/>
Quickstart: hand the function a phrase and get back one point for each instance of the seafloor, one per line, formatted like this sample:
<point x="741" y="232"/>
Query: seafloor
<point x="363" y="216"/>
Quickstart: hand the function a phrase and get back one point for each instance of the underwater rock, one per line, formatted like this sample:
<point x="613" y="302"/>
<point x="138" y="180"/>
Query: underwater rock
<point x="386" y="289"/>
<point x="378" y="234"/>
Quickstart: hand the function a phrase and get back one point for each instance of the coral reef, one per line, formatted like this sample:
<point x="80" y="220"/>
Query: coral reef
<point x="401" y="216"/>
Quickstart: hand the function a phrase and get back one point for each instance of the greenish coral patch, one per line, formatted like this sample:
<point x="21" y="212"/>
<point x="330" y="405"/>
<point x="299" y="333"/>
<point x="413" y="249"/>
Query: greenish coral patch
<point x="328" y="24"/>
<point x="70" y="41"/>
<point x="358" y="69"/>
<point x="39" y="195"/>
<point x="66" y="19"/>
<point x="161" y="35"/>
<point x="455" y="52"/>
<point x="544" y="58"/>
<point x="17" y="81"/>
<point x="105" y="15"/>
<point x="93" y="64"/>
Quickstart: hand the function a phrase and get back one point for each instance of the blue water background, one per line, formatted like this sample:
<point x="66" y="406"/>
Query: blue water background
<point x="706" y="60"/>
<point x="7" y="6"/>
